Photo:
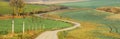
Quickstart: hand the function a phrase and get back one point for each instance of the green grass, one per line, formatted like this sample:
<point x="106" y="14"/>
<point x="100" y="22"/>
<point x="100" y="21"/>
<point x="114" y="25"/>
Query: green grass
<point x="37" y="23"/>
<point x="94" y="16"/>
<point x="93" y="3"/>
<point x="6" y="9"/>
<point x="89" y="30"/>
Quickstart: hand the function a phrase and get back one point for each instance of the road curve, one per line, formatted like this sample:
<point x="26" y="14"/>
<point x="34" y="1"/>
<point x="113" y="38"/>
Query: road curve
<point x="53" y="34"/>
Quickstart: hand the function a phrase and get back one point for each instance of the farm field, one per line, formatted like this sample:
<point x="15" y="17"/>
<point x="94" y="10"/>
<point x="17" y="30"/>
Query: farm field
<point x="31" y="24"/>
<point x="94" y="25"/>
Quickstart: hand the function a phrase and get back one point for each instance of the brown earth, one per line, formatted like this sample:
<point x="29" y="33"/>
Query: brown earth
<point x="115" y="10"/>
<point x="5" y="17"/>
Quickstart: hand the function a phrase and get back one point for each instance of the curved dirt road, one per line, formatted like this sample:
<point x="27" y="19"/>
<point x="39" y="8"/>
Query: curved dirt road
<point x="53" y="34"/>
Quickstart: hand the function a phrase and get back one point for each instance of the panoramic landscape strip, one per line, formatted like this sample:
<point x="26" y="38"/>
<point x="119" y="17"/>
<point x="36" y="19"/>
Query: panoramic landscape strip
<point x="59" y="19"/>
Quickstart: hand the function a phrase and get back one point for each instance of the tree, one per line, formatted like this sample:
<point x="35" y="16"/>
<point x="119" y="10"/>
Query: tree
<point x="13" y="5"/>
<point x="18" y="6"/>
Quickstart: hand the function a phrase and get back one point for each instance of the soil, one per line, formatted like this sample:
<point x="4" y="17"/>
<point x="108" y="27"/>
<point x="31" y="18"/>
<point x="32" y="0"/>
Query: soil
<point x="5" y="17"/>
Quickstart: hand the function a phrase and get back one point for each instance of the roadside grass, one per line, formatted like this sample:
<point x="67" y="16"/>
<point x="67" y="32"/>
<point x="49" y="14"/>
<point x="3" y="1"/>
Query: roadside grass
<point x="84" y="32"/>
<point x="31" y="24"/>
<point x="92" y="16"/>
<point x="6" y="9"/>
<point x="93" y="3"/>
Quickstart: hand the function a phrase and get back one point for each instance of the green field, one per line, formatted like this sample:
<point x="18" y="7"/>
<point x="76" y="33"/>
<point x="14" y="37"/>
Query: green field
<point x="93" y="3"/>
<point x="92" y="16"/>
<point x="94" y="24"/>
<point x="6" y="9"/>
<point x="31" y="23"/>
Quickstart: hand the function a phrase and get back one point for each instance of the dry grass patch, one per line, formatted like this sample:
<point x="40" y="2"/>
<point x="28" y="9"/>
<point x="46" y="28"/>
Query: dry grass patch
<point x="85" y="31"/>
<point x="90" y="30"/>
<point x="116" y="35"/>
<point x="5" y="17"/>
<point x="114" y="17"/>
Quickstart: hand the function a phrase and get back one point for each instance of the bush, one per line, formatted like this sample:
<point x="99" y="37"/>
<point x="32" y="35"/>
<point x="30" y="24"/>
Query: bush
<point x="3" y="32"/>
<point x="1" y="15"/>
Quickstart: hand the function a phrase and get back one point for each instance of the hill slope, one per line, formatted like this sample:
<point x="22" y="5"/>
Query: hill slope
<point x="93" y="3"/>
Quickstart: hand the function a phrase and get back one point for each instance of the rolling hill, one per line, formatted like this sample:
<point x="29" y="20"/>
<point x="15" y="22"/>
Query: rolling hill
<point x="93" y="3"/>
